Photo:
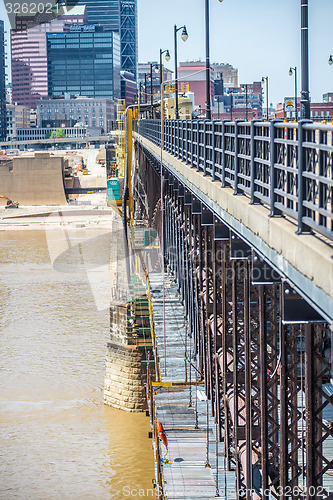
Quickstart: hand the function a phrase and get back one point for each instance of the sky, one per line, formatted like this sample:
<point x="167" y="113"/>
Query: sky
<point x="259" y="37"/>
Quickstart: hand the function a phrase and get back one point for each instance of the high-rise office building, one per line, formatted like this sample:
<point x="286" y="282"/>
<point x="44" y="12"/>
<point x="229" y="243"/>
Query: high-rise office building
<point x="29" y="54"/>
<point x="119" y="16"/>
<point x="129" y="36"/>
<point x="105" y="13"/>
<point x="85" y="61"/>
<point x="3" y="117"/>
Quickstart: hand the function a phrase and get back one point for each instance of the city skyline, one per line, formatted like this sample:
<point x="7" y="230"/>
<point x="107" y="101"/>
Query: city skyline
<point x="276" y="23"/>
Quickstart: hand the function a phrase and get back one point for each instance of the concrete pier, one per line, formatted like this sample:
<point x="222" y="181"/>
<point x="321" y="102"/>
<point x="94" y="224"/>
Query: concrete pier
<point x="125" y="368"/>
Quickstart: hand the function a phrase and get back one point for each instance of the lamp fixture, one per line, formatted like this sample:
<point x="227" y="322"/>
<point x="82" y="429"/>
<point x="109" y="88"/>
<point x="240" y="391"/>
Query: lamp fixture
<point x="184" y="35"/>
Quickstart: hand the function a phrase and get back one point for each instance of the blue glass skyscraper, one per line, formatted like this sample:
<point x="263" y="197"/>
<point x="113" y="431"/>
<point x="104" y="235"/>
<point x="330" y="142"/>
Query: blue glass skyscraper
<point x="85" y="61"/>
<point x="119" y="16"/>
<point x="129" y="36"/>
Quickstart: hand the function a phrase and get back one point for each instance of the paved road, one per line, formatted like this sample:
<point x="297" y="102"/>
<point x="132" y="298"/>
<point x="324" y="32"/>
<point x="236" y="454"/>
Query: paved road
<point x="95" y="178"/>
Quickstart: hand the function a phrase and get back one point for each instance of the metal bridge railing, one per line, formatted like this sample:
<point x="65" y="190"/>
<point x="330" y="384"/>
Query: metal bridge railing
<point x="287" y="167"/>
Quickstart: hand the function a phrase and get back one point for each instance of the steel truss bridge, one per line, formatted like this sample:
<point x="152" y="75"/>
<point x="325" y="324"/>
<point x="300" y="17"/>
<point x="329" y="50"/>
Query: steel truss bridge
<point x="248" y="235"/>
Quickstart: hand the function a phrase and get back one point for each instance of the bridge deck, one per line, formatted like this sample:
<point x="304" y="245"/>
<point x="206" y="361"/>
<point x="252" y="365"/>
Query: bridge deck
<point x="187" y="476"/>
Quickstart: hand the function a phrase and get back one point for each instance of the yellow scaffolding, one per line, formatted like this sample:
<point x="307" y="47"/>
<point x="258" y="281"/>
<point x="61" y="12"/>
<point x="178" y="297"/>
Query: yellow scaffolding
<point x="183" y="87"/>
<point x="121" y="108"/>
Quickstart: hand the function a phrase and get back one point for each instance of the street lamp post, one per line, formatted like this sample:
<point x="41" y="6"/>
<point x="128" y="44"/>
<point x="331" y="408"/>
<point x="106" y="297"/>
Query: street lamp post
<point x="291" y="71"/>
<point x="208" y="100"/>
<point x="305" y="95"/>
<point x="265" y="78"/>
<point x="145" y="101"/>
<point x="151" y="90"/>
<point x="167" y="58"/>
<point x="184" y="37"/>
<point x="140" y="93"/>
<point x="217" y="99"/>
<point x="152" y="65"/>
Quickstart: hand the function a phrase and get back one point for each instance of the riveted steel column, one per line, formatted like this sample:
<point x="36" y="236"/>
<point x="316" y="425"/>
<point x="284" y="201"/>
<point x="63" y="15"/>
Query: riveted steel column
<point x="283" y="412"/>
<point x="218" y="398"/>
<point x="227" y="343"/>
<point x="317" y="431"/>
<point x="248" y="391"/>
<point x="309" y="405"/>
<point x="293" y="410"/>
<point x="235" y="342"/>
<point x="263" y="392"/>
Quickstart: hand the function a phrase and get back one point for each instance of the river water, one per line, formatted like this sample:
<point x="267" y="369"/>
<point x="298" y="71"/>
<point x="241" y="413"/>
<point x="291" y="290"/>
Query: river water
<point x="57" y="438"/>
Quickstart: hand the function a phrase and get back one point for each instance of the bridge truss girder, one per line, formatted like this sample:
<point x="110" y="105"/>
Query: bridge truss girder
<point x="264" y="377"/>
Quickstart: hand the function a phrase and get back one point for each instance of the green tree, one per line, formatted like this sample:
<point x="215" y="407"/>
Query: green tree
<point x="56" y="134"/>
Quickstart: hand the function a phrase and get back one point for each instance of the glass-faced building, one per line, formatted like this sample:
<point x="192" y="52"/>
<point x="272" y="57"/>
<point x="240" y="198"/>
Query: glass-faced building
<point x="29" y="54"/>
<point x="3" y="118"/>
<point x="129" y="36"/>
<point x="105" y="13"/>
<point x="85" y="61"/>
<point x="119" y="16"/>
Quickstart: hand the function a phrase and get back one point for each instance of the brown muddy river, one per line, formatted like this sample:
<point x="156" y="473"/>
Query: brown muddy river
<point x="57" y="439"/>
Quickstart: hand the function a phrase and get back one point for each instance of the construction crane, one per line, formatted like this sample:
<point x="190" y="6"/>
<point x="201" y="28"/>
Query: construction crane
<point x="10" y="203"/>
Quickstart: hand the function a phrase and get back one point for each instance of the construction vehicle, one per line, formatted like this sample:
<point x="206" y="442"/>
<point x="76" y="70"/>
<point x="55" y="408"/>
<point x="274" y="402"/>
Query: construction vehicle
<point x="10" y="203"/>
<point x="185" y="107"/>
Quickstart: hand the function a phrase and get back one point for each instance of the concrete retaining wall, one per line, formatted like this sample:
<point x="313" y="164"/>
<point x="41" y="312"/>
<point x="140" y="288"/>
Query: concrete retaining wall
<point x="33" y="180"/>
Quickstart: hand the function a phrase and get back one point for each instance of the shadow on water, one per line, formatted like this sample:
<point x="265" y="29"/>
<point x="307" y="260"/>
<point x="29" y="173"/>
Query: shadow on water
<point x="57" y="439"/>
